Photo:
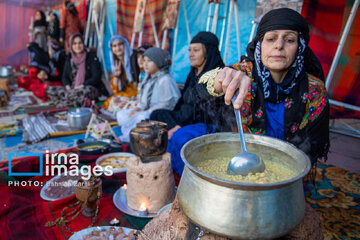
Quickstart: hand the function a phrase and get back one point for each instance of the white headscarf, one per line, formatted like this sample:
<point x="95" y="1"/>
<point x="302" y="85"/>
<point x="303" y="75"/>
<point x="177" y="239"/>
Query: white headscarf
<point x="127" y="54"/>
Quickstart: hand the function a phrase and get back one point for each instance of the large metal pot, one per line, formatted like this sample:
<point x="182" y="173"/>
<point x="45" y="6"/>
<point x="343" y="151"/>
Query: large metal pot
<point x="242" y="210"/>
<point x="79" y="118"/>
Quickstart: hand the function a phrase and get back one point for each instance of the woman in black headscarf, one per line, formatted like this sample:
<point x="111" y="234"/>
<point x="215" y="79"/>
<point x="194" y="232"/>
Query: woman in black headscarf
<point x="196" y="113"/>
<point x="281" y="85"/>
<point x="204" y="55"/>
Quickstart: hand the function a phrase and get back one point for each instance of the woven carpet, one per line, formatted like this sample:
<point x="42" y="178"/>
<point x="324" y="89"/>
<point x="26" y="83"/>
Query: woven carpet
<point x="334" y="193"/>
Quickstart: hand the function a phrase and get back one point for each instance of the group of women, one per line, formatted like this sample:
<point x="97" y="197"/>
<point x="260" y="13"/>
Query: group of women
<point x="280" y="87"/>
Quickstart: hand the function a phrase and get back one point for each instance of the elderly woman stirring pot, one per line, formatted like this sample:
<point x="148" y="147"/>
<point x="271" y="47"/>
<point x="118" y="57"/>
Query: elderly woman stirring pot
<point x="281" y="85"/>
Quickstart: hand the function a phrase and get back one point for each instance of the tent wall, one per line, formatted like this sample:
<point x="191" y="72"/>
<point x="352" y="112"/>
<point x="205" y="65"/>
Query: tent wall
<point x="14" y="28"/>
<point x="197" y="12"/>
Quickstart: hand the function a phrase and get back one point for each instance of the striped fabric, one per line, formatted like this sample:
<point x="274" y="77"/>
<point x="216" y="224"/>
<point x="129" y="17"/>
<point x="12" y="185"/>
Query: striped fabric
<point x="327" y="19"/>
<point x="125" y="19"/>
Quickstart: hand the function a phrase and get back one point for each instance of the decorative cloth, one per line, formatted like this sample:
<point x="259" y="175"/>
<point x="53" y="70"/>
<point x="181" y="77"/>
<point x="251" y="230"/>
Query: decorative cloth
<point x="79" y="61"/>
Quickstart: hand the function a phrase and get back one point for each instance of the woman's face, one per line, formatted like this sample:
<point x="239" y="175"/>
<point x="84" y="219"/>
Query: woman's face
<point x="197" y="55"/>
<point x="278" y="49"/>
<point x="149" y="66"/>
<point x="140" y="60"/>
<point x="117" y="47"/>
<point x="37" y="15"/>
<point x="77" y="46"/>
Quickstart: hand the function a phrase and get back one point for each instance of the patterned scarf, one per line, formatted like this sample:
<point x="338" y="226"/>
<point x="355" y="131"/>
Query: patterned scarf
<point x="274" y="92"/>
<point x="80" y="63"/>
<point x="151" y="81"/>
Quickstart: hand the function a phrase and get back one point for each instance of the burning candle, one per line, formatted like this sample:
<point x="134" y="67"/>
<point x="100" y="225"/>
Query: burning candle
<point x="142" y="210"/>
<point x="114" y="222"/>
<point x="124" y="187"/>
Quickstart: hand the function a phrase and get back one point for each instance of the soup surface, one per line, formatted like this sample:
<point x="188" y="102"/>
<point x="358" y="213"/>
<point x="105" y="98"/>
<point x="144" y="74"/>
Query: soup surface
<point x="274" y="171"/>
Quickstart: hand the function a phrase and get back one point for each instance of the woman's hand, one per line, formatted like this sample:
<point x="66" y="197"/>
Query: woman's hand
<point x="117" y="69"/>
<point x="228" y="81"/>
<point x="171" y="131"/>
<point x="68" y="87"/>
<point x="80" y="86"/>
<point x="134" y="111"/>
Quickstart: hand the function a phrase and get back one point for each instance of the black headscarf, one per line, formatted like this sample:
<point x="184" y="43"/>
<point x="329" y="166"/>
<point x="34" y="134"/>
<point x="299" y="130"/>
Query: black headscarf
<point x="203" y="110"/>
<point x="42" y="21"/>
<point x="287" y="19"/>
<point x="213" y="60"/>
<point x="213" y="56"/>
<point x="313" y="139"/>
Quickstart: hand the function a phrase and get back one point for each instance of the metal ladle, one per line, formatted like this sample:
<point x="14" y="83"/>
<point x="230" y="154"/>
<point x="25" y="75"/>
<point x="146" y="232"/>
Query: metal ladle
<point x="244" y="162"/>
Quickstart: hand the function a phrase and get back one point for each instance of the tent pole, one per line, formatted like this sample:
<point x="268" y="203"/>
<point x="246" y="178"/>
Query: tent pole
<point x="100" y="46"/>
<point x="164" y="38"/>
<point x="174" y="47"/>
<point x="228" y="31"/>
<point x="140" y="38"/>
<point x="223" y="26"/>
<point x="341" y="44"/>
<point x="215" y="19"/>
<point x="88" y="23"/>
<point x="345" y="105"/>
<point x="254" y="23"/>
<point x="186" y="21"/>
<point x="237" y="28"/>
<point x="209" y="16"/>
<point x="133" y="39"/>
<point x="153" y="25"/>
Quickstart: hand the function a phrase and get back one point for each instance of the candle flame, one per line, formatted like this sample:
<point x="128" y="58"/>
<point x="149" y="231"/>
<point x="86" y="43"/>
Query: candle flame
<point x="98" y="227"/>
<point x="124" y="187"/>
<point x="115" y="220"/>
<point x="142" y="207"/>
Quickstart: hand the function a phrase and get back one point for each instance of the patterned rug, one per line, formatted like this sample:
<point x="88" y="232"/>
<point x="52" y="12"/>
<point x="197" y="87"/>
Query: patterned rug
<point x="335" y="196"/>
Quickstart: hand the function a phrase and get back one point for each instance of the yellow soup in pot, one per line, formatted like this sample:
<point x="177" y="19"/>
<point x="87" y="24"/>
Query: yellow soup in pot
<point x="274" y="171"/>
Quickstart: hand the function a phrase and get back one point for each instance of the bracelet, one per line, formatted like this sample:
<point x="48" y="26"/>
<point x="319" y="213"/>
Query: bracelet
<point x="209" y="79"/>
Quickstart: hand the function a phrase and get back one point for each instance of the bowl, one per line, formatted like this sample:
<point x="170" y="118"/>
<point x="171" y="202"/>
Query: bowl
<point x="116" y="160"/>
<point x="79" y="118"/>
<point x="93" y="148"/>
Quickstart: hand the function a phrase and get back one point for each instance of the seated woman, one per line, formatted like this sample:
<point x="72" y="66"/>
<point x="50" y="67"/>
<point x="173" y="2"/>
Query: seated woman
<point x="204" y="55"/>
<point x="159" y="90"/>
<point x="81" y="76"/>
<point x="197" y="113"/>
<point x="281" y="85"/>
<point x="121" y="82"/>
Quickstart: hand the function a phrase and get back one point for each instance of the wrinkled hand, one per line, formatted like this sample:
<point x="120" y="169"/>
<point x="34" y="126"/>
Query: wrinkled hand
<point x="228" y="81"/>
<point x="171" y="131"/>
<point x="134" y="111"/>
